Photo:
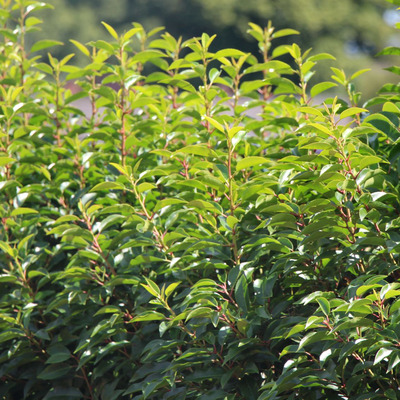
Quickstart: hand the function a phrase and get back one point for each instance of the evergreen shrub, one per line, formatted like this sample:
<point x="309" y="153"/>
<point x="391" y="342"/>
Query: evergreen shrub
<point x="210" y="228"/>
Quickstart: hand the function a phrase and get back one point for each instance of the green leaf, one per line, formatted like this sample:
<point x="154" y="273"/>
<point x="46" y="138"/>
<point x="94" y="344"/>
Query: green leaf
<point x="285" y="32"/>
<point x="199" y="312"/>
<point x="390" y="394"/>
<point x="110" y="30"/>
<point x="321" y="87"/>
<point x="145" y="186"/>
<point x="6" y="160"/>
<point x="167" y="202"/>
<point x="11" y="334"/>
<point x="149" y="316"/>
<point x="106" y="92"/>
<point x="213" y="74"/>
<point x="393" y="360"/>
<point x="313" y="337"/>
<point x="152" y="288"/>
<point x="311" y="110"/>
<point x="24" y="241"/>
<point x="339" y="75"/>
<point x="324" y="304"/>
<point x="171" y="288"/>
<point x="369" y="160"/>
<point x="58" y="354"/>
<point x="228" y="53"/>
<point x="392" y="51"/>
<point x="360" y="306"/>
<point x="9" y="34"/>
<point x="322" y="129"/>
<point x="358" y="322"/>
<point x="81" y="47"/>
<point x="352" y="111"/>
<point x="198" y="150"/>
<point x="215" y="124"/>
<point x="251" y="161"/>
<point x="295" y="329"/>
<point x="381" y="354"/>
<point x="393" y="308"/>
<point x="231" y="221"/>
<point x="211" y="181"/>
<point x="294" y="51"/>
<point x="321" y="56"/>
<point x="63" y="393"/>
<point x="44" y="44"/>
<point x="55" y="372"/>
<point x="204" y="205"/>
<point x="147" y="55"/>
<point x="233" y="131"/>
<point x="32" y="21"/>
<point x="23" y="211"/>
<point x="242" y="294"/>
<point x="7" y="248"/>
<point x="66" y="218"/>
<point x="101" y="44"/>
<point x="108" y="310"/>
<point x="360" y="72"/>
<point x="6" y="278"/>
<point x="108" y="186"/>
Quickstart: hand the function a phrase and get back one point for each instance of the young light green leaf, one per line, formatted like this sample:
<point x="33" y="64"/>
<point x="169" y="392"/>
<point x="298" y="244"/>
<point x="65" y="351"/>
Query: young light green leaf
<point x="6" y="160"/>
<point x="370" y="160"/>
<point x="322" y="129"/>
<point x="339" y="75"/>
<point x="311" y="110"/>
<point x="228" y="53"/>
<point x="152" y="287"/>
<point x="44" y="44"/>
<point x="392" y="51"/>
<point x="352" y="111"/>
<point x="321" y="56"/>
<point x="321" y="87"/>
<point x="23" y="211"/>
<point x="145" y="186"/>
<point x="81" y="47"/>
<point x="110" y="30"/>
<point x="360" y="72"/>
<point x="231" y="221"/>
<point x="171" y="288"/>
<point x="120" y="168"/>
<point x="215" y="124"/>
<point x="285" y="32"/>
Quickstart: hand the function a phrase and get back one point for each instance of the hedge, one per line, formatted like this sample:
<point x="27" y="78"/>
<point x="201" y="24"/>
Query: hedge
<point x="215" y="226"/>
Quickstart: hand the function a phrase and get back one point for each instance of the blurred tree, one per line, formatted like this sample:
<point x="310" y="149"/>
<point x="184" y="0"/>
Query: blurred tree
<point x="352" y="30"/>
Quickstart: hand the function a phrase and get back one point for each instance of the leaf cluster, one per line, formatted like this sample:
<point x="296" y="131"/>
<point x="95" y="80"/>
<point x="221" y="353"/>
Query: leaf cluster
<point x="203" y="229"/>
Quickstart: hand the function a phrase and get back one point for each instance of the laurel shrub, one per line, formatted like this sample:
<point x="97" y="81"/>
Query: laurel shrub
<point x="210" y="225"/>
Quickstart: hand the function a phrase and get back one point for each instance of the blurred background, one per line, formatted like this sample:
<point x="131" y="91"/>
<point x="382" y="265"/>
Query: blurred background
<point x="351" y="30"/>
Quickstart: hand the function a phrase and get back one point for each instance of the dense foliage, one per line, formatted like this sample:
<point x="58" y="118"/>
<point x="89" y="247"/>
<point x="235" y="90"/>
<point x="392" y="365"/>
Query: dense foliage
<point x="353" y="32"/>
<point x="199" y="233"/>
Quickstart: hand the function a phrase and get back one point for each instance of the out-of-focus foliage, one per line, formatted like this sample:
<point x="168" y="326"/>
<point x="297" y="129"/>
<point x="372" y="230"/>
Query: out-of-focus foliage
<point x="353" y="30"/>
<point x="195" y="234"/>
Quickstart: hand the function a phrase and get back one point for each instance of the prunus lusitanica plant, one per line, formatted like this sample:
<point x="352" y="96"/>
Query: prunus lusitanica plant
<point x="353" y="33"/>
<point x="213" y="225"/>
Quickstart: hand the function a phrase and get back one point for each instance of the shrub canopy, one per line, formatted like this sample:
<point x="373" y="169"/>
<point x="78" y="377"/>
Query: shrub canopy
<point x="208" y="229"/>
